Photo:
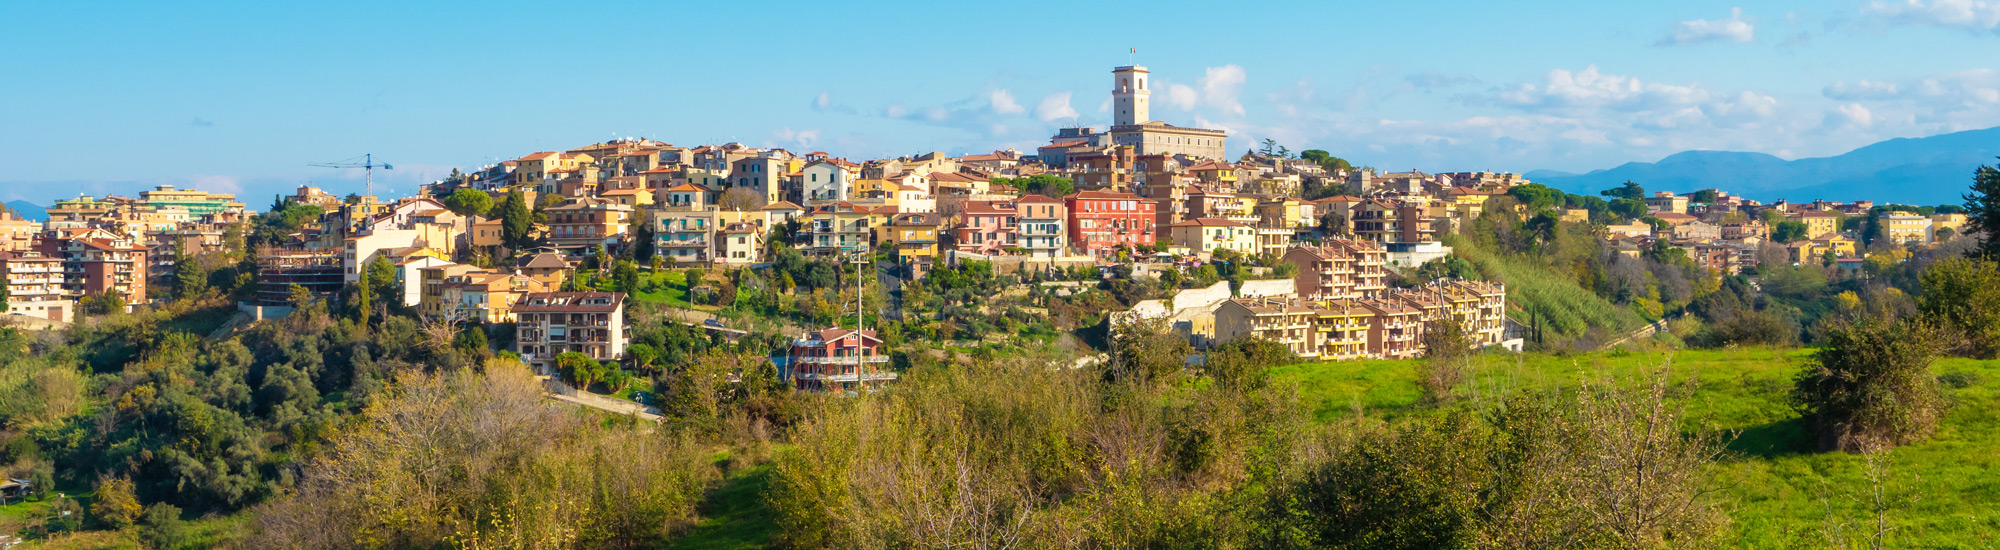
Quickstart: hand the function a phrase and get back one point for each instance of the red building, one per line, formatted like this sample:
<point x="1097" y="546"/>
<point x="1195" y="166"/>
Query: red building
<point x="837" y="359"/>
<point x="1102" y="221"/>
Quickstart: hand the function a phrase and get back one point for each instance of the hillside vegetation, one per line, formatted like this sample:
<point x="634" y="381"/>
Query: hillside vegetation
<point x="1776" y="491"/>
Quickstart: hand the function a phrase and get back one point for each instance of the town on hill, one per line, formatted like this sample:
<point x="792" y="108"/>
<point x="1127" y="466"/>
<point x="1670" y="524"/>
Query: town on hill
<point x="1138" y="335"/>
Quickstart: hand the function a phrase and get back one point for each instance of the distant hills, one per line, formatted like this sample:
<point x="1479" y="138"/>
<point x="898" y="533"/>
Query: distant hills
<point x="28" y="210"/>
<point x="1925" y="171"/>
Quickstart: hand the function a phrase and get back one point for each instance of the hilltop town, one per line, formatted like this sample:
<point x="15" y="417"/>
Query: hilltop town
<point x="1321" y="254"/>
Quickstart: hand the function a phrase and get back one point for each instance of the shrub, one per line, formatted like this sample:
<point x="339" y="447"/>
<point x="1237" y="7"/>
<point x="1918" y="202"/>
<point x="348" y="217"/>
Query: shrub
<point x="114" y="504"/>
<point x="1872" y="385"/>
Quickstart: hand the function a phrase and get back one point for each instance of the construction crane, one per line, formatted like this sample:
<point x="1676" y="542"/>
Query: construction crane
<point x="367" y="163"/>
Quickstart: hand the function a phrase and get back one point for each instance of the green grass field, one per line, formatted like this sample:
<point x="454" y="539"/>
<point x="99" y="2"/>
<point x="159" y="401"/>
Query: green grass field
<point x="1942" y="493"/>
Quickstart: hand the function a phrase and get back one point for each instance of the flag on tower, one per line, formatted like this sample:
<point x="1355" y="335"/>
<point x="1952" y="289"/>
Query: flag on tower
<point x="1135" y="50"/>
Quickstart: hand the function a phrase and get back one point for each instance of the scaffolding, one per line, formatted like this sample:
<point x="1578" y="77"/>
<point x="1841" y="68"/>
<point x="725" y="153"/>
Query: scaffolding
<point x="320" y="273"/>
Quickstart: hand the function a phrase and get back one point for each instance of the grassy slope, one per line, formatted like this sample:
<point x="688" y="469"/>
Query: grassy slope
<point x="1566" y="310"/>
<point x="735" y="515"/>
<point x="1945" y="491"/>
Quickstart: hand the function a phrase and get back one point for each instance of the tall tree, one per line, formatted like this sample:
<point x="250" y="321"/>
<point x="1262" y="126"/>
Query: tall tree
<point x="1982" y="210"/>
<point x="1631" y="190"/>
<point x="516" y="220"/>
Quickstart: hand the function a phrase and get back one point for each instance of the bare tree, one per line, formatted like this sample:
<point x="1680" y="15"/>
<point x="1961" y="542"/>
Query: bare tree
<point x="740" y="198"/>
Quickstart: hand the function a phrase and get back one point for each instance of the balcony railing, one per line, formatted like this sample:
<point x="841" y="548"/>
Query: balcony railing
<point x="847" y="360"/>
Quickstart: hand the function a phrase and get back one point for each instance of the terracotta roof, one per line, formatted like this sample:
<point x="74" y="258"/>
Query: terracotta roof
<point x="1102" y="195"/>
<point x="1207" y="222"/>
<point x="544" y="260"/>
<point x="782" y="205"/>
<point x="538" y="156"/>
<point x="1038" y="198"/>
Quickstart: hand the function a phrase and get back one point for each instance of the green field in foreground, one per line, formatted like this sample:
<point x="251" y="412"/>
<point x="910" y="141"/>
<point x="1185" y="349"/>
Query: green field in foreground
<point x="1942" y="493"/>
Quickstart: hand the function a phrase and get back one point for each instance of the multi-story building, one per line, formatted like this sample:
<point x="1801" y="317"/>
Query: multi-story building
<point x="1043" y="226"/>
<point x="81" y="212"/>
<point x="34" y="285"/>
<point x="1211" y="234"/>
<point x="106" y="266"/>
<point x="838" y="229"/>
<point x="1101" y="221"/>
<point x="584" y="223"/>
<point x="987" y="227"/>
<point x="1339" y="269"/>
<point x="17" y="234"/>
<point x="1664" y="201"/>
<point x="1391" y="326"/>
<point x="763" y="174"/>
<point x="197" y="203"/>
<point x="829" y="180"/>
<point x="549" y="324"/>
<point x="1905" y="227"/>
<point x="837" y="359"/>
<point x="1286" y="322"/>
<point x="319" y="273"/>
<point x="915" y="236"/>
<point x="739" y="243"/>
<point x="1392" y="221"/>
<point x="1818" y="223"/>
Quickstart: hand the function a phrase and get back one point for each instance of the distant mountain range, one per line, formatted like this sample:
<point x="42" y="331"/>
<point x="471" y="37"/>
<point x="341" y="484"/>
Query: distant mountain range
<point x="28" y="210"/>
<point x="1924" y="171"/>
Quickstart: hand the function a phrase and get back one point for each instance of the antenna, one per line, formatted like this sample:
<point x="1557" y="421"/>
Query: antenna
<point x="367" y="163"/>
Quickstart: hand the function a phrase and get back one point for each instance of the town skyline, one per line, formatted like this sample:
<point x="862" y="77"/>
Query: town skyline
<point x="1574" y="88"/>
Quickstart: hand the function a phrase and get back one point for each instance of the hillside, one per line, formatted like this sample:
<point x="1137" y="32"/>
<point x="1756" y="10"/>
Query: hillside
<point x="1930" y="170"/>
<point x="1778" y="495"/>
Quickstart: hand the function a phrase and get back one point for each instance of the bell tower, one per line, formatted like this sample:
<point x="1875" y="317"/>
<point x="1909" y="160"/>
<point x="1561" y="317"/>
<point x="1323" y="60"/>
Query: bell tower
<point x="1131" y="101"/>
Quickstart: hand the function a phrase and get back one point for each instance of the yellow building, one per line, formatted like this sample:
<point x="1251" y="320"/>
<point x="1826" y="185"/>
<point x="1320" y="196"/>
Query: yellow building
<point x="914" y="235"/>
<point x="1210" y="234"/>
<point x="1905" y="227"/>
<point x="1954" y="222"/>
<point x="1818" y="224"/>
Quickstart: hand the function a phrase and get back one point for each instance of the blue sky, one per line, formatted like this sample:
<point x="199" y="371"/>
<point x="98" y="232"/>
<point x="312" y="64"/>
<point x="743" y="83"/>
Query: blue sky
<point x="117" y="97"/>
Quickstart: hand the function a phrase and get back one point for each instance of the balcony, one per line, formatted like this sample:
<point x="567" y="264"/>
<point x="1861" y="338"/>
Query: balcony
<point x="847" y="360"/>
<point x="848" y="378"/>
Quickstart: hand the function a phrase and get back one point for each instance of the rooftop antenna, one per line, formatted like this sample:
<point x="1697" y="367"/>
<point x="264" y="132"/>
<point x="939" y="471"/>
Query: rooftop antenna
<point x="367" y="163"/>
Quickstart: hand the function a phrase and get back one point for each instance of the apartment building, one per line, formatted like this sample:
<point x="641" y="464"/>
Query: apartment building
<point x="1392" y="221"/>
<point x="837" y="229"/>
<point x="1339" y="269"/>
<point x="1204" y="235"/>
<point x="987" y="227"/>
<point x="585" y="223"/>
<point x="95" y="266"/>
<point x="1103" y="221"/>
<point x="837" y="359"/>
<point x="552" y="323"/>
<point x="1905" y="227"/>
<point x="34" y="285"/>
<point x="1391" y="326"/>
<point x="1043" y="226"/>
<point x="740" y="243"/>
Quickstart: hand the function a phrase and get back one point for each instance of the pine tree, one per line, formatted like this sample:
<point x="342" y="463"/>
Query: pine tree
<point x="516" y="220"/>
<point x="1982" y="210"/>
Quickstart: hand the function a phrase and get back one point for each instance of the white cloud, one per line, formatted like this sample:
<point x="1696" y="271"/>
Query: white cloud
<point x="823" y="100"/>
<point x="1055" y="107"/>
<point x="895" y="111"/>
<point x="1859" y="90"/>
<point x="1853" y="114"/>
<point x="802" y="138"/>
<point x="1698" y="31"/>
<point x="1220" y="87"/>
<point x="1003" y="103"/>
<point x="1430" y="80"/>
<point x="1589" y="90"/>
<point x="1974" y="15"/>
<point x="1182" y="96"/>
